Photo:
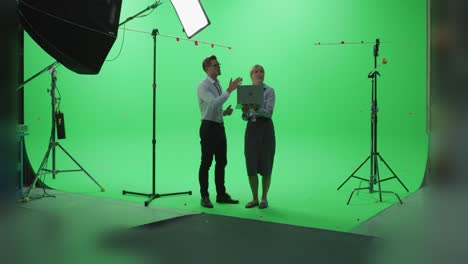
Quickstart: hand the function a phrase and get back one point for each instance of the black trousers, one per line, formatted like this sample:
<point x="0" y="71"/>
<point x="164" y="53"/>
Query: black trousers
<point x="213" y="143"/>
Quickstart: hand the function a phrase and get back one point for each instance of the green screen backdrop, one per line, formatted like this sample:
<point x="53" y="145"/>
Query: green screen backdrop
<point x="321" y="117"/>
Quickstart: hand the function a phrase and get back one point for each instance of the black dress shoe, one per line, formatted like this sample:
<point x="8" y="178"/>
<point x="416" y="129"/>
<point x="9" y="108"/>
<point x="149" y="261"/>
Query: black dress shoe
<point x="226" y="199"/>
<point x="205" y="202"/>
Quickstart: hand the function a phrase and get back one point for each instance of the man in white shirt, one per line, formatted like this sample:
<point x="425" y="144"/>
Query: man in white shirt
<point x="212" y="134"/>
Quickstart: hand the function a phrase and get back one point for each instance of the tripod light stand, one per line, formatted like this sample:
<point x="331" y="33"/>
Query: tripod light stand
<point x="101" y="18"/>
<point x="374" y="156"/>
<point x="193" y="18"/>
<point x="153" y="195"/>
<point x="53" y="144"/>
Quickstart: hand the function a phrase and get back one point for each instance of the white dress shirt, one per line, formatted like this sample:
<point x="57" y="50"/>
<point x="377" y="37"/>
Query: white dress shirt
<point x="211" y="99"/>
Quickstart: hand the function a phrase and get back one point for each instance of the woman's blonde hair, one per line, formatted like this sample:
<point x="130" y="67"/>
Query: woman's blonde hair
<point x="255" y="67"/>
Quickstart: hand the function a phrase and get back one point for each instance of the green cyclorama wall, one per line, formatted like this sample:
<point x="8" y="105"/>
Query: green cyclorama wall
<point x="322" y="111"/>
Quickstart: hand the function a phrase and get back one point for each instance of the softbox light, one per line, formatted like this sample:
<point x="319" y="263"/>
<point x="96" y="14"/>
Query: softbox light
<point x="77" y="33"/>
<point x="192" y="16"/>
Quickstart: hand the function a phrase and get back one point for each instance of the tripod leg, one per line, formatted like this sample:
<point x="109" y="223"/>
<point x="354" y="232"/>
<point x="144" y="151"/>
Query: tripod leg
<point x="151" y="198"/>
<point x="394" y="175"/>
<point x="351" y="195"/>
<point x="398" y="197"/>
<point x="53" y="161"/>
<point x="360" y="186"/>
<point x="76" y="162"/>
<point x="352" y="174"/>
<point x="36" y="178"/>
<point x="378" y="179"/>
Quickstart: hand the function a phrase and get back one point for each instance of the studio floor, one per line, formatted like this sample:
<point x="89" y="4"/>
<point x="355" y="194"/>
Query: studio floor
<point x="87" y="229"/>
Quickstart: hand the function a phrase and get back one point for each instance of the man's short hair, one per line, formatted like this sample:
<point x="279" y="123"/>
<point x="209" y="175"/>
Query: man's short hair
<point x="207" y="62"/>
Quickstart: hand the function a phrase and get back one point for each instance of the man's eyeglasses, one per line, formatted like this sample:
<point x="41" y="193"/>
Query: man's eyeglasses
<point x="216" y="65"/>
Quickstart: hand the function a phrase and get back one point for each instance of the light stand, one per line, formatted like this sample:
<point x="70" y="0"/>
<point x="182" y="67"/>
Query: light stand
<point x="153" y="6"/>
<point x="48" y="68"/>
<point x="53" y="144"/>
<point x="374" y="154"/>
<point x="153" y="195"/>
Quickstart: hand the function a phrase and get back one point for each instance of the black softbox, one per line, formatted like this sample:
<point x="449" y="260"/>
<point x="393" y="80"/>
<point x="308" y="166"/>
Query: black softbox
<point x="77" y="33"/>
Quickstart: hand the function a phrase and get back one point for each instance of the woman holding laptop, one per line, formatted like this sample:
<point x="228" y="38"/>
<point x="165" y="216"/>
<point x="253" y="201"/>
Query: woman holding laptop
<point x="259" y="146"/>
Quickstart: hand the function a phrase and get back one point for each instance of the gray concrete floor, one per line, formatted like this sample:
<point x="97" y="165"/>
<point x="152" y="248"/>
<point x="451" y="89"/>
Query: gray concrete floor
<point x="71" y="228"/>
<point x="429" y="228"/>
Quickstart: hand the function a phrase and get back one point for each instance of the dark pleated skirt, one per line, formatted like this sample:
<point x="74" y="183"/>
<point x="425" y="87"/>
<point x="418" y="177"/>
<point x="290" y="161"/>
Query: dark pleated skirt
<point x="259" y="147"/>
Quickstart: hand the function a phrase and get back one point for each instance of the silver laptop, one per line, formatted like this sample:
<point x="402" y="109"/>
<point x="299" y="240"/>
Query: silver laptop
<point x="249" y="94"/>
